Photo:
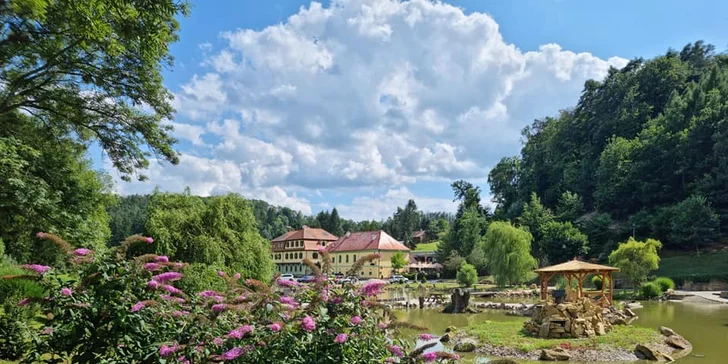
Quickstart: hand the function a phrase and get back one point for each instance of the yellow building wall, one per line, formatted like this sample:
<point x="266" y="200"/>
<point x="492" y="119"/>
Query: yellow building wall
<point x="380" y="268"/>
<point x="291" y="261"/>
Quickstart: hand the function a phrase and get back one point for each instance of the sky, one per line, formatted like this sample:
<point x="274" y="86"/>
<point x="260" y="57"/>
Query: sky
<point x="364" y="104"/>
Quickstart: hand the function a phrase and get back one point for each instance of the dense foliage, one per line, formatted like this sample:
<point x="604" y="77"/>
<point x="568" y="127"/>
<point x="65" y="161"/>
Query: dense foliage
<point x="508" y="252"/>
<point x="129" y="310"/>
<point x="92" y="71"/>
<point x="218" y="230"/>
<point x="636" y="259"/>
<point x="398" y="261"/>
<point x="467" y="275"/>
<point x="649" y="137"/>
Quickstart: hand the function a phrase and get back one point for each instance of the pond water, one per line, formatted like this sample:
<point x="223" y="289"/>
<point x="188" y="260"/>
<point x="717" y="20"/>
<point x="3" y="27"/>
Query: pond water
<point x="705" y="325"/>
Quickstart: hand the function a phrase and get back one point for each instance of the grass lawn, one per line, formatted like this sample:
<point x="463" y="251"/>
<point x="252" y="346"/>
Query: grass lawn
<point x="428" y="247"/>
<point x="691" y="265"/>
<point x="510" y="334"/>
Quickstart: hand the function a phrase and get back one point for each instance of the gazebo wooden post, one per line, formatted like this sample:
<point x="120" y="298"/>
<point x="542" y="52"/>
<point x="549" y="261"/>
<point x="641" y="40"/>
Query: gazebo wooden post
<point x="611" y="288"/>
<point x="544" y="285"/>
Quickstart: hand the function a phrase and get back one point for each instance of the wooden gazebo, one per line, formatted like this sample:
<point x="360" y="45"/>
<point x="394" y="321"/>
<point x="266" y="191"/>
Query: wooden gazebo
<point x="578" y="270"/>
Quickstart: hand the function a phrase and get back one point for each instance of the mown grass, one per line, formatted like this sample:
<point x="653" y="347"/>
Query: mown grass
<point x="427" y="247"/>
<point x="510" y="334"/>
<point x="689" y="266"/>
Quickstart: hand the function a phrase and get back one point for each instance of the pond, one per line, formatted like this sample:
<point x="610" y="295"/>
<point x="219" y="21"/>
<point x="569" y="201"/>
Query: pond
<point x="705" y="325"/>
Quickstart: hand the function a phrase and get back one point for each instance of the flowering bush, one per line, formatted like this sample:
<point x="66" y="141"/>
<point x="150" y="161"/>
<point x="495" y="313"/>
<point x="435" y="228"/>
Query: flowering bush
<point x="124" y="309"/>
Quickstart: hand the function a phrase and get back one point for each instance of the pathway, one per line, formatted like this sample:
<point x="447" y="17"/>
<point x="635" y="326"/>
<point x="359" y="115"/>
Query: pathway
<point x="708" y="295"/>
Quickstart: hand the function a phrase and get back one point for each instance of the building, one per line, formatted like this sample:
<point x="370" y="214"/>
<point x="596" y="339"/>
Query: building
<point x="419" y="237"/>
<point x="290" y="249"/>
<point x="424" y="262"/>
<point x="352" y="246"/>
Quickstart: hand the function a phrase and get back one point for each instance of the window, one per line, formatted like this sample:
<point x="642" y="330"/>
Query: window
<point x="286" y="255"/>
<point x="347" y="258"/>
<point x="315" y="255"/>
<point x="354" y="260"/>
<point x="370" y="272"/>
<point x="288" y="244"/>
<point x="300" y="255"/>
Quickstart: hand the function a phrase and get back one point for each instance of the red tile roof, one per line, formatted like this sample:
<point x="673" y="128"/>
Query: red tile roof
<point x="307" y="233"/>
<point x="366" y="240"/>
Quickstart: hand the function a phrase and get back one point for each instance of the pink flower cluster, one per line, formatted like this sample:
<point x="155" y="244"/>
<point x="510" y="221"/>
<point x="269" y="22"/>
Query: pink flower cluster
<point x="168" y="277"/>
<point x="166" y="350"/>
<point x="308" y="324"/>
<point x="286" y="283"/>
<point x="40" y="269"/>
<point x="152" y="267"/>
<point x="240" y="332"/>
<point x="340" y="338"/>
<point x="355" y="320"/>
<point x="138" y="306"/>
<point x="372" y="288"/>
<point x="275" y="327"/>
<point x="172" y="290"/>
<point x="396" y="351"/>
<point x="66" y="291"/>
<point x="83" y="252"/>
<point x="426" y="337"/>
<point x="429" y="357"/>
<point x="161" y="259"/>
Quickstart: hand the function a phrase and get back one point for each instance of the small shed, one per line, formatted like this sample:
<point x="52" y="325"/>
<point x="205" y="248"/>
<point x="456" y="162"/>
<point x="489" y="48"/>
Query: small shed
<point x="577" y="269"/>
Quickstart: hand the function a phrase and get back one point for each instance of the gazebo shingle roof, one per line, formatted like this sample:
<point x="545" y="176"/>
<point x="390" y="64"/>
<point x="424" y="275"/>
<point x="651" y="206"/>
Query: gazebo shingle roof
<point x="575" y="266"/>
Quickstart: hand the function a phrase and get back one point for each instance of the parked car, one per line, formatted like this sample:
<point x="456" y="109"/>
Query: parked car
<point x="398" y="279"/>
<point x="306" y="279"/>
<point x="345" y="280"/>
<point x="287" y="277"/>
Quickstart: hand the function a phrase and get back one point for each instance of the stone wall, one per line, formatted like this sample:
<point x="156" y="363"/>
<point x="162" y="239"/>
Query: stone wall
<point x="568" y="320"/>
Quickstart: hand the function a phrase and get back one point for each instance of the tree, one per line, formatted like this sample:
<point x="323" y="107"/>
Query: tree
<point x="570" y="207"/>
<point x="470" y="221"/>
<point x="508" y="252"/>
<point x="127" y="217"/>
<point x="467" y="275"/>
<point x="562" y="242"/>
<point x="217" y="231"/>
<point x="48" y="185"/>
<point x="598" y="229"/>
<point x="334" y="225"/>
<point x="636" y="259"/>
<point x="398" y="261"/>
<point x="452" y="263"/>
<point x="404" y="223"/>
<point x="534" y="218"/>
<point x="92" y="71"/>
<point x="693" y="222"/>
<point x="504" y="185"/>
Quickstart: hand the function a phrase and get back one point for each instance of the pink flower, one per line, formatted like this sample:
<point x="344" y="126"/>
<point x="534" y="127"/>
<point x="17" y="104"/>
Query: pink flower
<point x="181" y="359"/>
<point x="219" y="307"/>
<point x="138" y="306"/>
<point x="208" y="294"/>
<point x="241" y="298"/>
<point x="172" y="289"/>
<point x="24" y="302"/>
<point x="165" y="350"/>
<point x="340" y="338"/>
<point x="220" y="273"/>
<point x="152" y="284"/>
<point x="325" y="295"/>
<point x="285" y="283"/>
<point x="168" y="276"/>
<point x="217" y="341"/>
<point x="321" y="249"/>
<point x="237" y="276"/>
<point x="40" y="235"/>
<point x="275" y="327"/>
<point x="372" y="288"/>
<point x="149" y="240"/>
<point x="40" y="269"/>
<point x="308" y="324"/>
<point x="66" y="291"/>
<point x="240" y="332"/>
<point x="429" y="357"/>
<point x="426" y="337"/>
<point x="382" y="325"/>
<point x="82" y="251"/>
<point x="47" y="331"/>
<point x="161" y="259"/>
<point x="231" y="354"/>
<point x="180" y="313"/>
<point x="152" y="267"/>
<point x="355" y="320"/>
<point x="167" y="297"/>
<point x="288" y="300"/>
<point x="396" y="350"/>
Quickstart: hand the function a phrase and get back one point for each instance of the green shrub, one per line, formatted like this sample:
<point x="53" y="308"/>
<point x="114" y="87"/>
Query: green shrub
<point x="423" y="278"/>
<point x="650" y="290"/>
<point x="467" y="275"/>
<point x="665" y="283"/>
<point x="13" y="338"/>
<point x="202" y="277"/>
<point x="597" y="282"/>
<point x="20" y="288"/>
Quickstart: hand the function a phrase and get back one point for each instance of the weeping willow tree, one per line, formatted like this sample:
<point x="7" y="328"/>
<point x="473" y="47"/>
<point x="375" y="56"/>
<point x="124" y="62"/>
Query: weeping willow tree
<point x="218" y="230"/>
<point x="508" y="252"/>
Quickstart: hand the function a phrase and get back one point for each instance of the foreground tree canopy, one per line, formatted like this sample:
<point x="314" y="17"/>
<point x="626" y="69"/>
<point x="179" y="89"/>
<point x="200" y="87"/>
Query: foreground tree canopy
<point x="92" y="70"/>
<point x="646" y="138"/>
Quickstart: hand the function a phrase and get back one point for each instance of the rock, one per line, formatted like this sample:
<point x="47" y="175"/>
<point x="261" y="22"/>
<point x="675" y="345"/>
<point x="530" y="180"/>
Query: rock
<point x="459" y="301"/>
<point x="678" y="342"/>
<point x="667" y="331"/>
<point x="724" y="294"/>
<point x="628" y="312"/>
<point x="543" y="330"/>
<point x="557" y="354"/>
<point x="446" y="338"/>
<point x="464" y="346"/>
<point x="451" y="329"/>
<point x="502" y="361"/>
<point x="649" y="353"/>
<point x="600" y="329"/>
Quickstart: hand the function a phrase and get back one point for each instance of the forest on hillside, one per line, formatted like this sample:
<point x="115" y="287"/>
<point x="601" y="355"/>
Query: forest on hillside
<point x="644" y="151"/>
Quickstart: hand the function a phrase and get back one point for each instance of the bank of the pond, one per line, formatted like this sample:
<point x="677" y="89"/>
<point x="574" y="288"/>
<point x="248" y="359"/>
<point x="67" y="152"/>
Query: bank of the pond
<point x="704" y="325"/>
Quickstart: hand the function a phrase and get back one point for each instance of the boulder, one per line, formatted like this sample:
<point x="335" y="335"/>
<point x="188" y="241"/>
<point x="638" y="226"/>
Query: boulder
<point x="446" y="338"/>
<point x="451" y="329"/>
<point x="600" y="329"/>
<point x="667" y="331"/>
<point x="543" y="330"/>
<point x="647" y="352"/>
<point x="557" y="354"/>
<point x="464" y="346"/>
<point x="502" y="361"/>
<point x="677" y="342"/>
<point x="628" y="312"/>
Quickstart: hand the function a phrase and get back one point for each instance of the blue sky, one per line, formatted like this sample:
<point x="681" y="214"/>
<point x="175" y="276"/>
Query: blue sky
<point x="363" y="104"/>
